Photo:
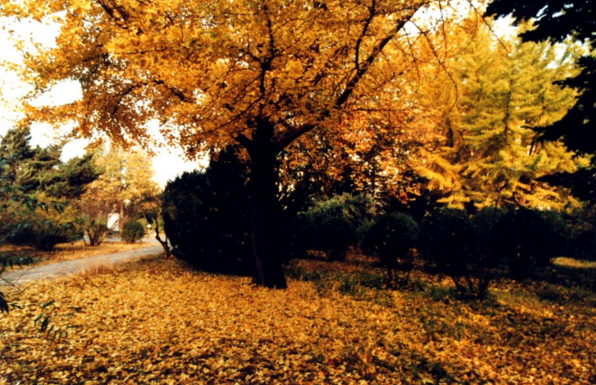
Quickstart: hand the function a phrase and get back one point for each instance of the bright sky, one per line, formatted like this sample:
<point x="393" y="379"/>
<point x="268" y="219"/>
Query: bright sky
<point x="167" y="163"/>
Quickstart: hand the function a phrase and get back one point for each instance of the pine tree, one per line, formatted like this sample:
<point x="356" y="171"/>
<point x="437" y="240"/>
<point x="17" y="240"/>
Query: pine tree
<point x="40" y="178"/>
<point x="15" y="150"/>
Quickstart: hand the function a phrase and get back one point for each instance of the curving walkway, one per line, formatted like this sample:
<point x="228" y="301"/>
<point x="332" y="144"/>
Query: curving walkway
<point x="61" y="269"/>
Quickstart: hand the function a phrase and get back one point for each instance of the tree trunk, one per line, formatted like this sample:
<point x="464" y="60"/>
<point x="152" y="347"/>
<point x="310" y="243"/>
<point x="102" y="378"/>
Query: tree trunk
<point x="162" y="242"/>
<point x="121" y="219"/>
<point x="268" y="268"/>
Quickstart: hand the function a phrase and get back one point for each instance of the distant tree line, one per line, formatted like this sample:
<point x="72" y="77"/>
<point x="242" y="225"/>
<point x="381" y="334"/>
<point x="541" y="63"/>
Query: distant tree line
<point x="54" y="201"/>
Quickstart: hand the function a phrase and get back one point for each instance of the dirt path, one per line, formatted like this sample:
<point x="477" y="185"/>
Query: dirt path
<point x="61" y="269"/>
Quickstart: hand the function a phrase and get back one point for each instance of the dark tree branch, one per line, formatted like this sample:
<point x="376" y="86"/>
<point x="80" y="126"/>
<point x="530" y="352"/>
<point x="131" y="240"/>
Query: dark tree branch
<point x="364" y="32"/>
<point x="244" y="142"/>
<point x="363" y="69"/>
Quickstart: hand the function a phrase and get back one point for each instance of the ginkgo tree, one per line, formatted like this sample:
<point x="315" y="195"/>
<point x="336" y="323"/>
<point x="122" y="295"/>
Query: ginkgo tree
<point x="489" y="152"/>
<point x="270" y="75"/>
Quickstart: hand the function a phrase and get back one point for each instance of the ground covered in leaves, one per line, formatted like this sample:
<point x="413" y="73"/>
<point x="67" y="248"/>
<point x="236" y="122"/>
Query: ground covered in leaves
<point x="158" y="322"/>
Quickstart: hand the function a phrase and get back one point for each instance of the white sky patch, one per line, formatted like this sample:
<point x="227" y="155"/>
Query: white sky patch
<point x="504" y="28"/>
<point x="166" y="161"/>
<point x="61" y="93"/>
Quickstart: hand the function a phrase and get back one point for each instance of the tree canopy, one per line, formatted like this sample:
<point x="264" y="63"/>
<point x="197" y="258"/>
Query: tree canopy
<point x="316" y="83"/>
<point x="259" y="73"/>
<point x="211" y="71"/>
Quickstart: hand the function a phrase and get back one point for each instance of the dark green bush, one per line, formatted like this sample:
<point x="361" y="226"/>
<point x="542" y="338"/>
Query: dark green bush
<point x="337" y="223"/>
<point x="485" y="224"/>
<point x="132" y="231"/>
<point x="392" y="239"/>
<point x="527" y="240"/>
<point x="449" y="239"/>
<point x="207" y="217"/>
<point x="43" y="234"/>
<point x="292" y="237"/>
<point x="560" y="235"/>
<point x="583" y="244"/>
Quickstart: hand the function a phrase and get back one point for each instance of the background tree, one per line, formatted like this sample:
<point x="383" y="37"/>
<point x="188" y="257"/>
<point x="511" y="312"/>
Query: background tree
<point x="16" y="150"/>
<point x="124" y="186"/>
<point x="7" y="192"/>
<point x="41" y="179"/>
<point x="41" y="170"/>
<point x="487" y="152"/>
<point x="557" y="20"/>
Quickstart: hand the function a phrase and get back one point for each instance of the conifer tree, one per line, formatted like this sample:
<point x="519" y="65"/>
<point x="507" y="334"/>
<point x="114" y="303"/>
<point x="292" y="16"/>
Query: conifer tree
<point x="39" y="178"/>
<point x="40" y="170"/>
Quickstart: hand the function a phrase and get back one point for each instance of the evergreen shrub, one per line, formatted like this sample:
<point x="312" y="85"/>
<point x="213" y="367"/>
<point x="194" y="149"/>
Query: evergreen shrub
<point x="488" y="239"/>
<point x="392" y="239"/>
<point x="449" y="238"/>
<point x="527" y="240"/>
<point x="207" y="217"/>
<point x="583" y="244"/>
<point x="336" y="223"/>
<point x="43" y="234"/>
<point x="132" y="231"/>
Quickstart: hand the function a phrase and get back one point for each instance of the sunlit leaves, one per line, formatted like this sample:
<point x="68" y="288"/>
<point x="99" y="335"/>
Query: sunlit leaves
<point x="159" y="322"/>
<point x="487" y="152"/>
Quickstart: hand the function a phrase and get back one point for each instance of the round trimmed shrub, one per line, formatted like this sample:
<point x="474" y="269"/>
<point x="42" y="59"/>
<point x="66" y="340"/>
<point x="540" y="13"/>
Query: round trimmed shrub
<point x="336" y="223"/>
<point x="132" y="231"/>
<point x="526" y="241"/>
<point x="448" y="239"/>
<point x="488" y="239"/>
<point x="391" y="238"/>
<point x="463" y="248"/>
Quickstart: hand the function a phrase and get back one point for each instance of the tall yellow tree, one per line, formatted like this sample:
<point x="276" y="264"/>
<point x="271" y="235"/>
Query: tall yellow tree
<point x="488" y="152"/>
<point x="270" y="75"/>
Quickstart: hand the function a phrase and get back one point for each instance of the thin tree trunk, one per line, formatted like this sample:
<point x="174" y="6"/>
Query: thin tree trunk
<point x="121" y="219"/>
<point x="162" y="242"/>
